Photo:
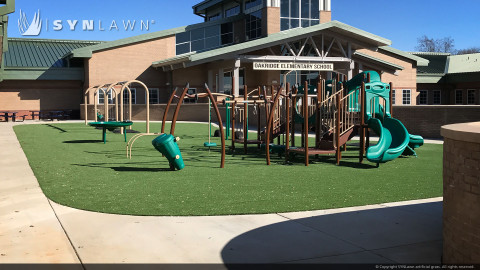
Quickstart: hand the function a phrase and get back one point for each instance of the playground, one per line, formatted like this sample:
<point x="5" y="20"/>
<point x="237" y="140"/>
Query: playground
<point x="74" y="168"/>
<point x="284" y="166"/>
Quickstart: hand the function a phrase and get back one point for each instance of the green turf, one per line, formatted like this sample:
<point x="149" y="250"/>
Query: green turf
<point x="76" y="169"/>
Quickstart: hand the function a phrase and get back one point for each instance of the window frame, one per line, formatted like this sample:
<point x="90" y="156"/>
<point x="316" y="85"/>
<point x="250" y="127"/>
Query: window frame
<point x="393" y="97"/>
<point x="258" y="25"/>
<point x="439" y="96"/>
<point x="300" y="19"/>
<point x="134" y="96"/>
<point x="149" y="95"/>
<point x="232" y="8"/>
<point x="260" y="3"/>
<point x="109" y="95"/>
<point x="468" y="97"/>
<point x="420" y="97"/>
<point x="215" y="17"/>
<point x="461" y="96"/>
<point x="405" y="91"/>
<point x="190" y="100"/>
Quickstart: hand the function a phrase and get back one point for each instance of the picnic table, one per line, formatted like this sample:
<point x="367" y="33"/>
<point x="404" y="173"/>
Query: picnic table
<point x="36" y="113"/>
<point x="8" y="115"/>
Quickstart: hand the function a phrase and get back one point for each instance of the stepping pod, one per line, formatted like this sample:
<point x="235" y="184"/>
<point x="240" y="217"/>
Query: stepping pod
<point x="167" y="145"/>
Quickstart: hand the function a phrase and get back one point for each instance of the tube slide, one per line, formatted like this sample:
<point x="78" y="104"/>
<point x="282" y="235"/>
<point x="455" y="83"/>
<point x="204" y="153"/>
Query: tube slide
<point x="394" y="138"/>
<point x="415" y="142"/>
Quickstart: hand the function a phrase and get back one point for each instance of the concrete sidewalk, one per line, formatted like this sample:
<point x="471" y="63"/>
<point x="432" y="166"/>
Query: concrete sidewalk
<point x="34" y="229"/>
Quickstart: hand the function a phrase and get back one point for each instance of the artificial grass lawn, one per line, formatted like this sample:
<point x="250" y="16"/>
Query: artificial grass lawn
<point x="74" y="168"/>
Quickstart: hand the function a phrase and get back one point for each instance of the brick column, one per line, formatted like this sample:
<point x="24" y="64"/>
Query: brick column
<point x="461" y="193"/>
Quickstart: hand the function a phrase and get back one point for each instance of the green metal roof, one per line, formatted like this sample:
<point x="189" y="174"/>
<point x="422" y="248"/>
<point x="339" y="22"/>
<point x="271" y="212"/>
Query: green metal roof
<point x="33" y="53"/>
<point x="378" y="61"/>
<point x="464" y="63"/>
<point x="279" y="38"/>
<point x="420" y="61"/>
<point x="436" y="65"/>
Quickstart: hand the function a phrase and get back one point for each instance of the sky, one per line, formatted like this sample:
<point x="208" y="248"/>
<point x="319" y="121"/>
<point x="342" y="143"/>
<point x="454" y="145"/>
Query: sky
<point x="402" y="22"/>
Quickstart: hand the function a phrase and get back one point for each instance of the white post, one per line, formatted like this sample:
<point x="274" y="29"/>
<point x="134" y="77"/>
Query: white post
<point x="236" y="75"/>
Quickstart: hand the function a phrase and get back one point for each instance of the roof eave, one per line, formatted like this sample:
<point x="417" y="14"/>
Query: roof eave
<point x="419" y="60"/>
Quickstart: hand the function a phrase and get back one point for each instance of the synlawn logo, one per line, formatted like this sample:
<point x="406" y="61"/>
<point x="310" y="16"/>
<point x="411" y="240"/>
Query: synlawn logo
<point x="35" y="27"/>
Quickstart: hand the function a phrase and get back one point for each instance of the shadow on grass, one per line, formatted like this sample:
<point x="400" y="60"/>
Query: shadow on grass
<point x="84" y="141"/>
<point x="136" y="169"/>
<point x="57" y="128"/>
<point x="117" y="167"/>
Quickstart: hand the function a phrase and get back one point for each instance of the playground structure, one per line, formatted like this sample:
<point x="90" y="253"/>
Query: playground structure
<point x="336" y="111"/>
<point x="119" y="121"/>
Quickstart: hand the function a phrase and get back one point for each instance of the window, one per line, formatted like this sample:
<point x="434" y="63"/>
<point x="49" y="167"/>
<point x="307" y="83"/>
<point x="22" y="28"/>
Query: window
<point x="393" y="96"/>
<point x="214" y="17"/>
<point x="203" y="39"/>
<point x="227" y="81"/>
<point x="191" y="91"/>
<point x="226" y="33"/>
<point x="406" y="96"/>
<point x="101" y="98"/>
<point x="470" y="96"/>
<point x="232" y="11"/>
<point x="253" y="25"/>
<point x="423" y="97"/>
<point x="252" y="3"/>
<point x="437" y="97"/>
<point x="134" y="96"/>
<point x="458" y="96"/>
<point x="153" y="95"/>
<point x="298" y="13"/>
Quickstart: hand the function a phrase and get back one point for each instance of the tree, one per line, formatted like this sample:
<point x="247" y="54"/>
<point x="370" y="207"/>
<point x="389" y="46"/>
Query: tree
<point x="443" y="45"/>
<point x="469" y="50"/>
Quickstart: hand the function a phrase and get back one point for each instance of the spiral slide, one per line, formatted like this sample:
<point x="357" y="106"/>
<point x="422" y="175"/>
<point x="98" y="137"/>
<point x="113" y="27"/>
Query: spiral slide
<point x="394" y="138"/>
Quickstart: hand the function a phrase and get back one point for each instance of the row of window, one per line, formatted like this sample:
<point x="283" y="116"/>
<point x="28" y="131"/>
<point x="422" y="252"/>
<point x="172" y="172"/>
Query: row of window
<point x="235" y="10"/>
<point x="204" y="38"/>
<point x="154" y="96"/>
<point x="298" y="13"/>
<point x="470" y="96"/>
<point x="437" y="97"/>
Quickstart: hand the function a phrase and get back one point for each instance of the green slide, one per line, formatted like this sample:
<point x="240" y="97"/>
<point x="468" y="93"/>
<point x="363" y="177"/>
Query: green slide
<point x="415" y="142"/>
<point x="394" y="138"/>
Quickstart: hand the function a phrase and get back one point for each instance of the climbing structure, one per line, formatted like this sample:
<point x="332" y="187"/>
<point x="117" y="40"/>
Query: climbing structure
<point x="337" y="112"/>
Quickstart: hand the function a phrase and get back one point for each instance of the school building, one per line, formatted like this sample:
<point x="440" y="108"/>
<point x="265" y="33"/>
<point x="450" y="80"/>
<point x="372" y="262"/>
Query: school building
<point x="222" y="51"/>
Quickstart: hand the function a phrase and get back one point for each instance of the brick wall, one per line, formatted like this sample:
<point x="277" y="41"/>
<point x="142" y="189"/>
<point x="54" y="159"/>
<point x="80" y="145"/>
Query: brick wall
<point x="40" y="95"/>
<point x="461" y="201"/>
<point x="427" y="120"/>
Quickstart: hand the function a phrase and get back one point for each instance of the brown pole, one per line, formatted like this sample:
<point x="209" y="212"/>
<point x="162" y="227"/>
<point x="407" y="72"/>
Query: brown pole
<point x="287" y="121"/>
<point x="245" y="116"/>
<point x="294" y="109"/>
<point x="177" y="109"/>
<point x="270" y="125"/>
<point x="164" y="119"/>
<point x="305" y="117"/>
<point x="317" y="112"/>
<point x="219" y="117"/>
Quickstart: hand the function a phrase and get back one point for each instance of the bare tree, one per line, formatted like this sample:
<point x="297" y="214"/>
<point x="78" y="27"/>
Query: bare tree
<point x="469" y="50"/>
<point x="425" y="44"/>
<point x="443" y="45"/>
